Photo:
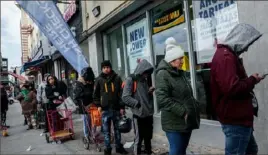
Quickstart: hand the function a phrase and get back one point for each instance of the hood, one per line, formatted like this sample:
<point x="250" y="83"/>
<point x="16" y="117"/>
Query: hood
<point x="143" y="66"/>
<point x="241" y="37"/>
<point x="163" y="65"/>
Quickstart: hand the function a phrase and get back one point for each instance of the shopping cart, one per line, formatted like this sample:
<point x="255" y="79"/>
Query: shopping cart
<point x="60" y="125"/>
<point x="95" y="122"/>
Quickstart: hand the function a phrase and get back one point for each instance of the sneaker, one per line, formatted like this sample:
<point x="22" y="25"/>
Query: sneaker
<point x="121" y="150"/>
<point x="107" y="151"/>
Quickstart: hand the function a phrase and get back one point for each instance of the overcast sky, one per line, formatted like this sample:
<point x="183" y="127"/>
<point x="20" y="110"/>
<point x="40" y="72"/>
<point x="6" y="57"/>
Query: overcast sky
<point x="10" y="33"/>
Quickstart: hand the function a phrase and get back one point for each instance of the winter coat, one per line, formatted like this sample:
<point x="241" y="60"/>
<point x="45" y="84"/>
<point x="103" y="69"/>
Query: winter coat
<point x="28" y="104"/>
<point x="59" y="87"/>
<point x="175" y="99"/>
<point x="4" y="100"/>
<point x="41" y="94"/>
<point x="141" y="95"/>
<point x="107" y="92"/>
<point x="82" y="94"/>
<point x="231" y="88"/>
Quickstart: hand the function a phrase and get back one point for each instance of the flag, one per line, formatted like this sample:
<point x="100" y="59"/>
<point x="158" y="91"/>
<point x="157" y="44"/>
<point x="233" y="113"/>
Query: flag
<point x="48" y="18"/>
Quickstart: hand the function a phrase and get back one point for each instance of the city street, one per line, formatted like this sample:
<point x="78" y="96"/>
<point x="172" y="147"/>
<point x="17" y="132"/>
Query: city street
<point x="19" y="140"/>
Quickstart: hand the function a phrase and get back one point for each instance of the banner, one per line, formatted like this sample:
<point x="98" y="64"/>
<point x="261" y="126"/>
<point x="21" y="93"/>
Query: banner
<point x="213" y="21"/>
<point x="168" y="19"/>
<point x="48" y="18"/>
<point x="137" y="43"/>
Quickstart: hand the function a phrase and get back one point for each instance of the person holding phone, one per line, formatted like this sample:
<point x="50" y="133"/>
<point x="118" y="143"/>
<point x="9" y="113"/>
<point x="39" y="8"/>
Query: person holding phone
<point x="232" y="90"/>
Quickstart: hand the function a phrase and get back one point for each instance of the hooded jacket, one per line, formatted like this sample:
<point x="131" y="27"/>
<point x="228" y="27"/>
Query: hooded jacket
<point x="82" y="94"/>
<point x="175" y="99"/>
<point x="107" y="91"/>
<point x="142" y="95"/>
<point x="231" y="88"/>
<point x="28" y="102"/>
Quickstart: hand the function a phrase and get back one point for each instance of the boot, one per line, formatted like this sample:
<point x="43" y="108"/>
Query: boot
<point x="25" y="121"/>
<point x="121" y="150"/>
<point x="30" y="127"/>
<point x="107" y="151"/>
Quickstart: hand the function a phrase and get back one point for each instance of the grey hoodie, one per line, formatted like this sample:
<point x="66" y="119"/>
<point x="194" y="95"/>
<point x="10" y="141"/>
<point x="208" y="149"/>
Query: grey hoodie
<point x="141" y="95"/>
<point x="241" y="37"/>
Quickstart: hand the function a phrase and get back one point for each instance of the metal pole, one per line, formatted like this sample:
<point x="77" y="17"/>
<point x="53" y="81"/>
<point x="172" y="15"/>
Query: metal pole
<point x="125" y="50"/>
<point x="150" y="46"/>
<point x="190" y="47"/>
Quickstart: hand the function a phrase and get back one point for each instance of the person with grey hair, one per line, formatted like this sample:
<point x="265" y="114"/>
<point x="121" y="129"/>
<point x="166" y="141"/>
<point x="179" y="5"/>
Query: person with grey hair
<point x="42" y="99"/>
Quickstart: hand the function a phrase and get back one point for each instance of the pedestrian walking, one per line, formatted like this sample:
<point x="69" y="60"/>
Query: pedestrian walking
<point x="27" y="98"/>
<point x="83" y="96"/>
<point x="179" y="109"/>
<point x="107" y="96"/>
<point x="138" y="94"/>
<point x="232" y="91"/>
<point x="42" y="99"/>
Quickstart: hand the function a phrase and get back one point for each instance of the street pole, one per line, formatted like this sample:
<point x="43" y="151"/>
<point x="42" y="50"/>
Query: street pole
<point x="190" y="48"/>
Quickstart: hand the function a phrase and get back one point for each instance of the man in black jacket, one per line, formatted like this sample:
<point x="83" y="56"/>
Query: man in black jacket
<point x="4" y="105"/>
<point x="107" y="96"/>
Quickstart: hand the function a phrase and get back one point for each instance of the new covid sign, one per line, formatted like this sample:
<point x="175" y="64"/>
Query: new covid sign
<point x="48" y="18"/>
<point x="214" y="19"/>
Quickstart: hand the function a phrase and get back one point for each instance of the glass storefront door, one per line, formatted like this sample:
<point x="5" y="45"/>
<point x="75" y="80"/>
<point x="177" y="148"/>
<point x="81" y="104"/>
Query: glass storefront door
<point x="115" y="51"/>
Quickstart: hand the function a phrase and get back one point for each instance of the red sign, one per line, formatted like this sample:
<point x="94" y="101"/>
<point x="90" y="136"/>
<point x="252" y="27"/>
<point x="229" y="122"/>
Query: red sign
<point x="70" y="11"/>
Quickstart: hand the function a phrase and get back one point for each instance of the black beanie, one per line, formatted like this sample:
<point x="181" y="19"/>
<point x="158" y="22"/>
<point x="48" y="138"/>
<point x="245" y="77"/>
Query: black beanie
<point x="106" y="63"/>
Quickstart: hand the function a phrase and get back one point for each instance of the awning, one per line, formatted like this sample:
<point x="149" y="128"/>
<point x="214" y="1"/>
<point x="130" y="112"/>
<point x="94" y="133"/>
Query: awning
<point x="35" y="63"/>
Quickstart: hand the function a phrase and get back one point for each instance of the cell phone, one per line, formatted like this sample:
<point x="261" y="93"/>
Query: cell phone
<point x="264" y="75"/>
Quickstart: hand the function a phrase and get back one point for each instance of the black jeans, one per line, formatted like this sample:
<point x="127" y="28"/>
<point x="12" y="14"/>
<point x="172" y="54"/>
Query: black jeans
<point x="143" y="129"/>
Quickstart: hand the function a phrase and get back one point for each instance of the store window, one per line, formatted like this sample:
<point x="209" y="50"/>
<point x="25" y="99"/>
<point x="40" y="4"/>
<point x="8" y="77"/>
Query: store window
<point x="115" y="51"/>
<point x="137" y="38"/>
<point x="168" y="20"/>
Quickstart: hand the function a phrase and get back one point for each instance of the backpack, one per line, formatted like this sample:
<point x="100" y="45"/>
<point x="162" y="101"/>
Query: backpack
<point x="134" y="85"/>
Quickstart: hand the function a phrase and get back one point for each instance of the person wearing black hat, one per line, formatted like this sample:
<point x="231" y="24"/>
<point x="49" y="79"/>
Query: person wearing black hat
<point x="83" y="95"/>
<point x="107" y="96"/>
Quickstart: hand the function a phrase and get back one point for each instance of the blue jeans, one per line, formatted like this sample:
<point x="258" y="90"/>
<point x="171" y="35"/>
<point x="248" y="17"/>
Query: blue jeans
<point x="107" y="118"/>
<point x="239" y="140"/>
<point x="178" y="142"/>
<point x="86" y="124"/>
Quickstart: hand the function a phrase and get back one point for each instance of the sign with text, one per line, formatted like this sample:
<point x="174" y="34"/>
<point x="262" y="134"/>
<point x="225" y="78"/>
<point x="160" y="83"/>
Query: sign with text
<point x="137" y="43"/>
<point x="168" y="19"/>
<point x="48" y="18"/>
<point x="214" y="19"/>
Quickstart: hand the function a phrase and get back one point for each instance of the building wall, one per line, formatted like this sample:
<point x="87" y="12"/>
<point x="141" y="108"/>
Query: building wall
<point x="24" y="27"/>
<point x="255" y="61"/>
<point x="106" y="7"/>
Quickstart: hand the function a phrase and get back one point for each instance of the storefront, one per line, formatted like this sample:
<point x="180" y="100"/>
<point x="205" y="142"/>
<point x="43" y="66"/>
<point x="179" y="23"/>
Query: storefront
<point x="196" y="27"/>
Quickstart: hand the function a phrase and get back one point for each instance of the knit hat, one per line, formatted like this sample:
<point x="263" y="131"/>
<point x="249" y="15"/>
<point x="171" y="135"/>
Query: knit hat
<point x="173" y="51"/>
<point x="106" y="63"/>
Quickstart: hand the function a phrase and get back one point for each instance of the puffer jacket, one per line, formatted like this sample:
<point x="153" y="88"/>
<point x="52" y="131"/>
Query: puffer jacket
<point x="175" y="100"/>
<point x="29" y="105"/>
<point x="141" y="95"/>
<point x="82" y="94"/>
<point x="107" y="92"/>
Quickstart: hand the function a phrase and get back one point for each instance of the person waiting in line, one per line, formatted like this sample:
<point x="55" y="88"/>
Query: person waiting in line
<point x="141" y="102"/>
<point x="233" y="98"/>
<point x="42" y="99"/>
<point x="83" y="96"/>
<point x="107" y="96"/>
<point x="179" y="109"/>
<point x="27" y="98"/>
<point x="4" y="106"/>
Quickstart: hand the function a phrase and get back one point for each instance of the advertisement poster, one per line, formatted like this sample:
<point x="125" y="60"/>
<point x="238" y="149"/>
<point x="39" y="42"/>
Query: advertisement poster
<point x="213" y="21"/>
<point x="137" y="43"/>
<point x="168" y="19"/>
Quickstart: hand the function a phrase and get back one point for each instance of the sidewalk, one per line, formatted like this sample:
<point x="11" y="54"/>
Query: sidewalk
<point x="20" y="139"/>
